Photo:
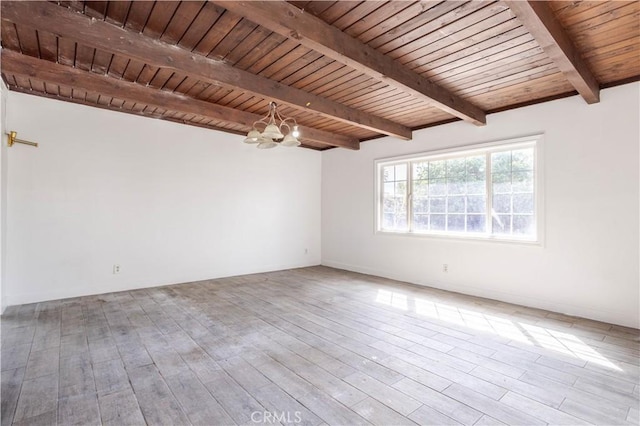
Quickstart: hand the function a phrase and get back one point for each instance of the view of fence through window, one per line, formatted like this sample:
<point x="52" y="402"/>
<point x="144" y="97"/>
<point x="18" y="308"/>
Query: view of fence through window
<point x="480" y="192"/>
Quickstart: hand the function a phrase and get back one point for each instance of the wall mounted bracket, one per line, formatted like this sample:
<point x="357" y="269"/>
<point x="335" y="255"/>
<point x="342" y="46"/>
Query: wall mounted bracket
<point x="14" y="139"/>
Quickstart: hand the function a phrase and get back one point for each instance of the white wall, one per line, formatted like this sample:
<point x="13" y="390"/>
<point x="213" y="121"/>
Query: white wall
<point x="588" y="265"/>
<point x="169" y="203"/>
<point x="3" y="193"/>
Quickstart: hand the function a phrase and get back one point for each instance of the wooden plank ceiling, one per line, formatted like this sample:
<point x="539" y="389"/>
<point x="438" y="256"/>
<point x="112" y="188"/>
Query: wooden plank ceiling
<point x="347" y="71"/>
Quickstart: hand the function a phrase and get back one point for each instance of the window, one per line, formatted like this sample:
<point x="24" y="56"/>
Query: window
<point x="487" y="191"/>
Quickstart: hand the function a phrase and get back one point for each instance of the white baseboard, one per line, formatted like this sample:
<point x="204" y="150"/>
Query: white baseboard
<point x="611" y="317"/>
<point x="58" y="294"/>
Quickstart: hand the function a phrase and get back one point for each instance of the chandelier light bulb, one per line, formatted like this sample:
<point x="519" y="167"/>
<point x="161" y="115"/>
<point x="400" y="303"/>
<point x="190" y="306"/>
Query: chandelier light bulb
<point x="252" y="136"/>
<point x="272" y="132"/>
<point x="290" y="140"/>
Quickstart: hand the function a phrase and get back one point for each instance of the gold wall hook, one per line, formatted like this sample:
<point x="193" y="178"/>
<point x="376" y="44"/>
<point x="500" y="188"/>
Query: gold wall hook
<point x="14" y="139"/>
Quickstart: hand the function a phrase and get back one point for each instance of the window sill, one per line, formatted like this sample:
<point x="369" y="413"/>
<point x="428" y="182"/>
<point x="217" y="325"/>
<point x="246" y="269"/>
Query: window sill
<point x="463" y="238"/>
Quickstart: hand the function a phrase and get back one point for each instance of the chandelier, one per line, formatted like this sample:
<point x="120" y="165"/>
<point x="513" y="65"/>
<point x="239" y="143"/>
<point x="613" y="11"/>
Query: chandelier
<point x="277" y="130"/>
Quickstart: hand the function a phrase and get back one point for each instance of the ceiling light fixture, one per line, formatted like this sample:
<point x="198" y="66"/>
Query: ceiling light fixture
<point x="277" y="130"/>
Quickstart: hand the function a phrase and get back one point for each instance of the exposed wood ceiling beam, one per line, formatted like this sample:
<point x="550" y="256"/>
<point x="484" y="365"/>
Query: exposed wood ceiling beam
<point x="313" y="33"/>
<point x="146" y="114"/>
<point x="538" y="18"/>
<point x="65" y="23"/>
<point x="28" y="66"/>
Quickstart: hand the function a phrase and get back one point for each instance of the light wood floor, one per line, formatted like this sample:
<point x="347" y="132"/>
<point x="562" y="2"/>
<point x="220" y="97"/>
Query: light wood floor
<point x="311" y="346"/>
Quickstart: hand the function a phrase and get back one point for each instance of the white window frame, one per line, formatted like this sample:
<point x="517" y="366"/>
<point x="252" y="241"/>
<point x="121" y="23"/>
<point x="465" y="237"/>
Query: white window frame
<point x="536" y="141"/>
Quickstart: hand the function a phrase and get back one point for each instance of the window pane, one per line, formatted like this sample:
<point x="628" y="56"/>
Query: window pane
<point x="437" y="187"/>
<point x="501" y="162"/>
<point x="389" y="205"/>
<point x="400" y="210"/>
<point x="420" y="188"/>
<point x="394" y="197"/>
<point x="502" y="203"/>
<point x="456" y="169"/>
<point x="421" y="171"/>
<point x="387" y="220"/>
<point x="513" y="201"/>
<point x="421" y="222"/>
<point x="455" y="205"/>
<point x="420" y="205"/>
<point x="476" y="184"/>
<point x="476" y="165"/>
<point x="523" y="203"/>
<point x="437" y="169"/>
<point x="522" y="181"/>
<point x="401" y="203"/>
<point x="523" y="225"/>
<point x="476" y="223"/>
<point x="522" y="159"/>
<point x="388" y="189"/>
<point x="394" y="221"/>
<point x="456" y="176"/>
<point x="387" y="174"/>
<point x="400" y="221"/>
<point x="476" y="204"/>
<point x="501" y="183"/>
<point x="501" y="224"/>
<point x="438" y="222"/>
<point x="438" y="205"/>
<point x="456" y="187"/>
<point x="455" y="222"/>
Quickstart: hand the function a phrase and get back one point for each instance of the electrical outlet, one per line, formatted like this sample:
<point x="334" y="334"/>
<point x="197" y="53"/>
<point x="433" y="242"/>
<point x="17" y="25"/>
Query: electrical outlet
<point x="445" y="267"/>
<point x="116" y="269"/>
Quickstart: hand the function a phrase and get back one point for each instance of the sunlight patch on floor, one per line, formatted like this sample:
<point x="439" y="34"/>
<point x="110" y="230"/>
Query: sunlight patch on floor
<point x="562" y="342"/>
<point x="396" y="300"/>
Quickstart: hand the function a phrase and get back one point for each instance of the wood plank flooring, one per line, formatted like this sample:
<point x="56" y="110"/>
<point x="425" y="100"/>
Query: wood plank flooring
<point x="311" y="346"/>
